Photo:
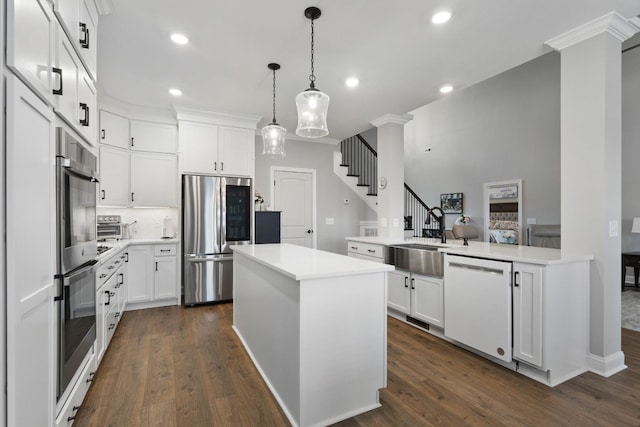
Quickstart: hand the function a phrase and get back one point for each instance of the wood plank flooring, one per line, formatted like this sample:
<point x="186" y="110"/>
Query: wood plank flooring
<point x="176" y="366"/>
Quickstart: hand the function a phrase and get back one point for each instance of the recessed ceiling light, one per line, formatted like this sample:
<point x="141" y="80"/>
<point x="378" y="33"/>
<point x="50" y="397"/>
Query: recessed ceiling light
<point x="179" y="38"/>
<point x="446" y="89"/>
<point x="175" y="92"/>
<point x="352" y="82"/>
<point x="441" y="17"/>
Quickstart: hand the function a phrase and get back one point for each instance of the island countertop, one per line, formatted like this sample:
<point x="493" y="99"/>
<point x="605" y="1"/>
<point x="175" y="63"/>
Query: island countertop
<point x="302" y="263"/>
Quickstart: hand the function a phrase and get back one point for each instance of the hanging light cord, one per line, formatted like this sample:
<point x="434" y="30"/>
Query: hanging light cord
<point x="274" y="97"/>
<point x="312" y="77"/>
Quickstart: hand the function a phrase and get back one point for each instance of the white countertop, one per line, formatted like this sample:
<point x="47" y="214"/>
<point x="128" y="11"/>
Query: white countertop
<point x="518" y="253"/>
<point x="118" y="245"/>
<point x="302" y="263"/>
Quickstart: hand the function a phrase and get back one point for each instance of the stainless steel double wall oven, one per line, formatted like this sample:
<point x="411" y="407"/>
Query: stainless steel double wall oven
<point x="76" y="176"/>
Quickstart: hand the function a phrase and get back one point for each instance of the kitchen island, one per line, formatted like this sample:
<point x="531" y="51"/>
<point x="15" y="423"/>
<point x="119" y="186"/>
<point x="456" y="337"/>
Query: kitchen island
<point x="314" y="324"/>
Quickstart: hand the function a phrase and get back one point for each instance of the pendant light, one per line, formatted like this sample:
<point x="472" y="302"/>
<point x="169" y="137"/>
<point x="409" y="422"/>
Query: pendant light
<point x="312" y="104"/>
<point x="273" y="135"/>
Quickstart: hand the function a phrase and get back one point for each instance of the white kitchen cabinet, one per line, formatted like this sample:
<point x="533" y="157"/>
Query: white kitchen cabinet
<point x="79" y="19"/>
<point x="30" y="285"/>
<point x="165" y="277"/>
<point x="30" y="43"/>
<point x="114" y="177"/>
<point x="368" y="251"/>
<point x="114" y="130"/>
<point x="75" y="94"/>
<point x="213" y="149"/>
<point x="527" y="313"/>
<point x="140" y="272"/>
<point x="418" y="295"/>
<point x="154" y="180"/>
<point x="153" y="137"/>
<point x="67" y="414"/>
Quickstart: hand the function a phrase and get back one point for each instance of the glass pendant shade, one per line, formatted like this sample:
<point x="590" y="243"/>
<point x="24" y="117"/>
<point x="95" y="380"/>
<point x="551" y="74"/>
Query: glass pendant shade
<point x="312" y="106"/>
<point x="273" y="137"/>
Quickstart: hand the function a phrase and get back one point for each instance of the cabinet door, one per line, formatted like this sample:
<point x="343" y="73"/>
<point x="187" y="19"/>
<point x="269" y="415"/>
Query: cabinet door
<point x="427" y="299"/>
<point x="140" y="274"/>
<point x="30" y="43"/>
<point x="30" y="287"/>
<point x="527" y="313"/>
<point x="66" y="93"/>
<point x="122" y="286"/>
<point x="67" y="13"/>
<point x="87" y="36"/>
<point x="101" y="313"/>
<point x="165" y="282"/>
<point x="154" y="137"/>
<point x="114" y="177"/>
<point x="114" y="130"/>
<point x="198" y="147"/>
<point x="398" y="292"/>
<point x="87" y="101"/>
<point x="236" y="151"/>
<point x="154" y="179"/>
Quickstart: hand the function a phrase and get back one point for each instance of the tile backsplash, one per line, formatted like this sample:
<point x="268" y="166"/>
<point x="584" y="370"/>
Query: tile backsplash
<point x="149" y="220"/>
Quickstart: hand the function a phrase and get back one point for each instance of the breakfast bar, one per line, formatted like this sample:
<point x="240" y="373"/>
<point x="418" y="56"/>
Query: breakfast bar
<point x="314" y="324"/>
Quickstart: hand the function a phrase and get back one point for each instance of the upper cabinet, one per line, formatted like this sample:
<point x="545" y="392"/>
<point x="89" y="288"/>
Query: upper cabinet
<point x="79" y="19"/>
<point x="217" y="144"/>
<point x="114" y="130"/>
<point x="31" y="28"/>
<point x="153" y="137"/>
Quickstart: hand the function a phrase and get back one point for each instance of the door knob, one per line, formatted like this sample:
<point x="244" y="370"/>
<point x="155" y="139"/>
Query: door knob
<point x="309" y="231"/>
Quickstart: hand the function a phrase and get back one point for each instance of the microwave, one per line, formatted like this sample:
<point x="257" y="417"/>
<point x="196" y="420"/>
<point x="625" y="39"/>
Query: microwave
<point x="109" y="227"/>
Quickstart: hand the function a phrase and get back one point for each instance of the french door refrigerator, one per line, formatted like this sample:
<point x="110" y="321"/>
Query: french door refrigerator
<point x="216" y="214"/>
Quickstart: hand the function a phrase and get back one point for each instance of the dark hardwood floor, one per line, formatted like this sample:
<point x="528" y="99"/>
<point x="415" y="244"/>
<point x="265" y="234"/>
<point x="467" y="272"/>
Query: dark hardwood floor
<point x="178" y="366"/>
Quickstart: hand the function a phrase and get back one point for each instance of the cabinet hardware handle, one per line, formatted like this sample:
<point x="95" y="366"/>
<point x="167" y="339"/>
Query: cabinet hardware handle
<point x="405" y="282"/>
<point x="371" y="251"/>
<point x="104" y="134"/>
<point x="111" y="326"/>
<point x="111" y="267"/>
<point x="84" y="41"/>
<point x="413" y="283"/>
<point x="103" y="275"/>
<point x="104" y="194"/>
<point x="84" y="107"/>
<point x="89" y="380"/>
<point x="222" y="166"/>
<point x="116" y="262"/>
<point x="75" y="408"/>
<point x="132" y="141"/>
<point x="73" y="417"/>
<point x="91" y="374"/>
<point x="156" y="265"/>
<point x="355" y="248"/>
<point x="132" y="191"/>
<point x="165" y="250"/>
<point x="108" y="298"/>
<point x="127" y="255"/>
<point x="516" y="279"/>
<point x="112" y="294"/>
<point x="215" y="166"/>
<point x="117" y="315"/>
<point x="58" y="71"/>
<point x="121" y="276"/>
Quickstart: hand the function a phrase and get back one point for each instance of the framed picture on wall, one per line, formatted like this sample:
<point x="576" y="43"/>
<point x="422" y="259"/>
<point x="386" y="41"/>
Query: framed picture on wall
<point x="451" y="203"/>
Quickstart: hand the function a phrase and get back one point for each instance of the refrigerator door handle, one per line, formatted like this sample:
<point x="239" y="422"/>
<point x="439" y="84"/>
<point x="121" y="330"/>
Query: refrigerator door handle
<point x="209" y="258"/>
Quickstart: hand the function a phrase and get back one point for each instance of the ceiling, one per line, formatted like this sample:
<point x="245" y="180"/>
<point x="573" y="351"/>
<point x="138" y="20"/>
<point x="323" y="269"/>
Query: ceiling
<point x="399" y="56"/>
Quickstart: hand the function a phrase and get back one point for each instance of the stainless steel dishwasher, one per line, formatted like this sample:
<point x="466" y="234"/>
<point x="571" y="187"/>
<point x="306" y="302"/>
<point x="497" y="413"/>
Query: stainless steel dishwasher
<point x="478" y="301"/>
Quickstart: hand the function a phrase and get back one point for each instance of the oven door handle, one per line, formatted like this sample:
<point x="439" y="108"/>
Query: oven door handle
<point x="86" y="270"/>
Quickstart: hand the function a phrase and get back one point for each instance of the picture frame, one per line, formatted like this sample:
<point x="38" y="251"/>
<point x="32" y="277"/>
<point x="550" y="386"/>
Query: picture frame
<point x="451" y="203"/>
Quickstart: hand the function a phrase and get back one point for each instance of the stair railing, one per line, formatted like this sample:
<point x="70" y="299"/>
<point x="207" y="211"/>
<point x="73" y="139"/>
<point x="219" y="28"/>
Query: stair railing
<point x="361" y="161"/>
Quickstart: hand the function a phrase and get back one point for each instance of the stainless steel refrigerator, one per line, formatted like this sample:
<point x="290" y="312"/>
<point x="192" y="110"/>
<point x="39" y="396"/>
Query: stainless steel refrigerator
<point x="216" y="214"/>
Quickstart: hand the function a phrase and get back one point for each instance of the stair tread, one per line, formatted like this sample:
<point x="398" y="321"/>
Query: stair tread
<point x="372" y="194"/>
<point x="346" y="166"/>
<point x="362" y="185"/>
<point x="350" y="174"/>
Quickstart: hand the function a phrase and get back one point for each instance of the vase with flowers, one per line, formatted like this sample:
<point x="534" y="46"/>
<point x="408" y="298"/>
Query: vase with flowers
<point x="258" y="201"/>
<point x="463" y="219"/>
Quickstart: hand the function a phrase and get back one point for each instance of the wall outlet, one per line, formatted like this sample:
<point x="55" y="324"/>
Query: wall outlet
<point x="531" y="221"/>
<point x="395" y="222"/>
<point x="328" y="221"/>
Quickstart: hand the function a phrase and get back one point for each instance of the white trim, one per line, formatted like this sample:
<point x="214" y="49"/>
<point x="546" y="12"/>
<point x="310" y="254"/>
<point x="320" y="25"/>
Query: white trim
<point x="314" y="205"/>
<point x="392" y="118"/>
<point x="249" y="121"/>
<point x="606" y="366"/>
<point x="612" y="23"/>
<point x="105" y="7"/>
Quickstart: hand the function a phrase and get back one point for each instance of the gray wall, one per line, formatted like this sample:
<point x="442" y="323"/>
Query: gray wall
<point x="330" y="191"/>
<point x="504" y="128"/>
<point x="630" y="147"/>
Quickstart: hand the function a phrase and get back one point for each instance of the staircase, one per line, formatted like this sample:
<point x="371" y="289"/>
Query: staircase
<point x="357" y="165"/>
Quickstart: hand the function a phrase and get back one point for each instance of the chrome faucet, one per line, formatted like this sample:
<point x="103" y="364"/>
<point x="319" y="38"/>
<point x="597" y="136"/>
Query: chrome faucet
<point x="443" y="237"/>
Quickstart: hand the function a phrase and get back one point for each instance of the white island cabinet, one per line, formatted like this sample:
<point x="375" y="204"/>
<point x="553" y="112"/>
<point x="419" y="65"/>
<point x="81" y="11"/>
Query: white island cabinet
<point x="314" y="324"/>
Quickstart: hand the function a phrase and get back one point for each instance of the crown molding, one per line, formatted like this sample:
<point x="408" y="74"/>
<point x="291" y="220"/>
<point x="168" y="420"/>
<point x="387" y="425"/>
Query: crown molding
<point x="612" y="23"/>
<point x="216" y="118"/>
<point x="392" y="118"/>
<point x="105" y="7"/>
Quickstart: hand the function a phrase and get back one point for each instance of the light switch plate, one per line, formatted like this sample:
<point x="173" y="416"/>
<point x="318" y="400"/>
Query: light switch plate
<point x="328" y="221"/>
<point x="383" y="222"/>
<point x="613" y="228"/>
<point x="395" y="222"/>
<point x="531" y="221"/>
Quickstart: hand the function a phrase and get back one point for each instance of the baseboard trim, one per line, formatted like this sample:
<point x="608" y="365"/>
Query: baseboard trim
<point x="606" y="366"/>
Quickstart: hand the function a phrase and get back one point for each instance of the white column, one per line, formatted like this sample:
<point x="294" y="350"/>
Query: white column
<point x="391" y="170"/>
<point x="591" y="60"/>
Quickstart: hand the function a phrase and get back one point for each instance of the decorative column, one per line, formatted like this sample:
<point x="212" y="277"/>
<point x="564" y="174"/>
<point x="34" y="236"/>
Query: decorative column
<point x="590" y="151"/>
<point x="391" y="175"/>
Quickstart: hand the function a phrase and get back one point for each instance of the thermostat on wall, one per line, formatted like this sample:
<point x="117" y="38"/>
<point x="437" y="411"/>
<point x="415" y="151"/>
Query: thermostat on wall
<point x="382" y="182"/>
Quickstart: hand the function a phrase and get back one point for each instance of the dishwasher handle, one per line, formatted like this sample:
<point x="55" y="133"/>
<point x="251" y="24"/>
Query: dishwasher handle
<point x="477" y="268"/>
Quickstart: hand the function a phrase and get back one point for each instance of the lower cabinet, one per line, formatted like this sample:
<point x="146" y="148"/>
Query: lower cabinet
<point x="152" y="275"/>
<point x="527" y="313"/>
<point x="110" y="300"/>
<point x="368" y="251"/>
<point x="68" y="412"/>
<point x="419" y="296"/>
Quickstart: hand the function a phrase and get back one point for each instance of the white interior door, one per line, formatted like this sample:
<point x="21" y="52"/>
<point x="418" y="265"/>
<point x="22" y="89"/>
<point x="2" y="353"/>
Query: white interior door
<point x="293" y="195"/>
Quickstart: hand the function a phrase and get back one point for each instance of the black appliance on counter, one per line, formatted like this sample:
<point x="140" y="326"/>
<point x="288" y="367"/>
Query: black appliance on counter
<point x="267" y="227"/>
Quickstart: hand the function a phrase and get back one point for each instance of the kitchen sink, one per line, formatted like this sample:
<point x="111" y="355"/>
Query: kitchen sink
<point x="417" y="258"/>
